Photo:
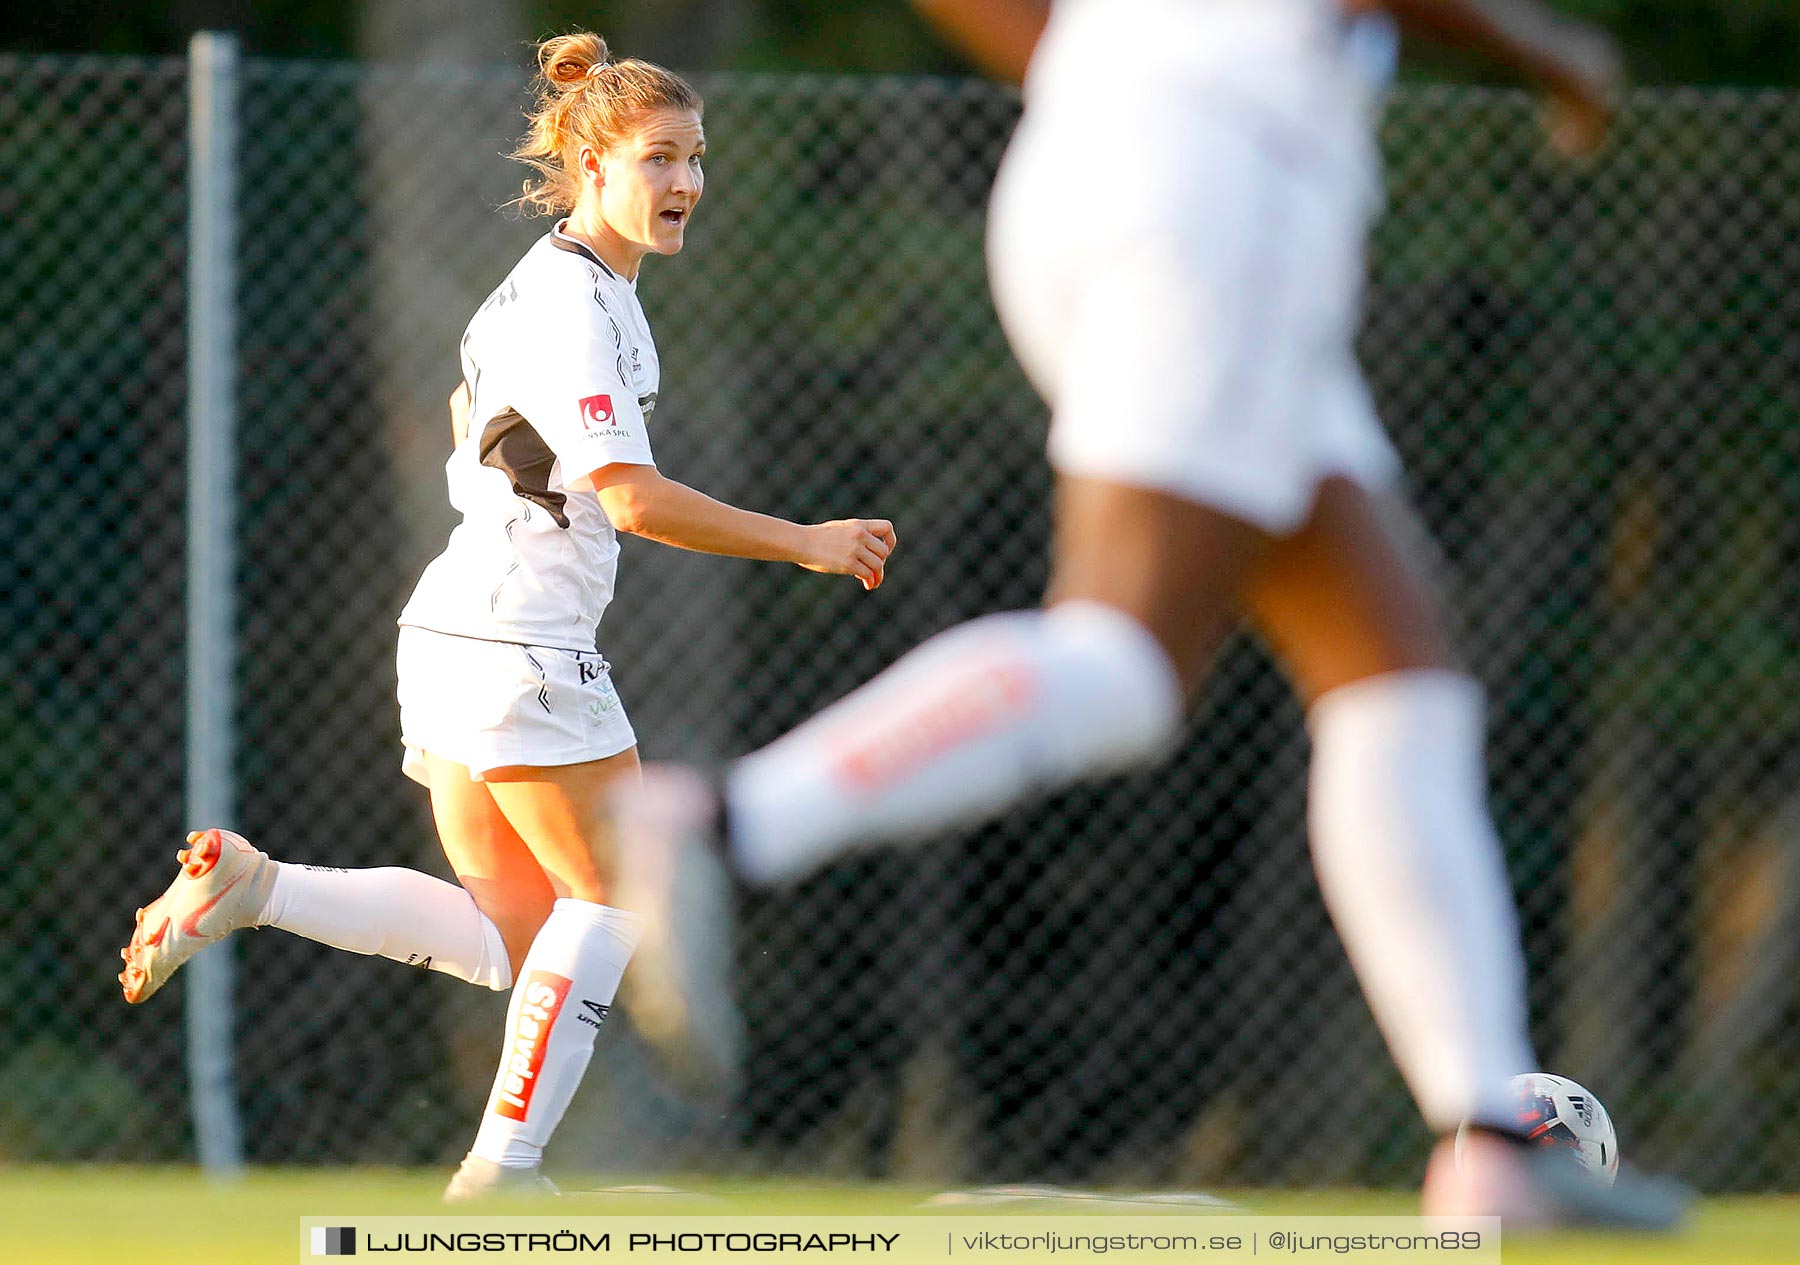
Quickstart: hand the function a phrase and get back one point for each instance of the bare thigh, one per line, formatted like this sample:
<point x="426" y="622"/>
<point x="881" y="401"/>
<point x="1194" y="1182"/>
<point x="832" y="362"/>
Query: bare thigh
<point x="1349" y="596"/>
<point x="1174" y="565"/>
<point x="1344" y="598"/>
<point x="490" y="859"/>
<point x="555" y="810"/>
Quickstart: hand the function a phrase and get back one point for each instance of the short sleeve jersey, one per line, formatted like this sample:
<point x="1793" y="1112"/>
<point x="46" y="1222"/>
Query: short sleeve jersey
<point x="562" y="375"/>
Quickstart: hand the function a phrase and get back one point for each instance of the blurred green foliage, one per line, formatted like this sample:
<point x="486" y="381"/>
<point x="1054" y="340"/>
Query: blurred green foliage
<point x="1746" y="42"/>
<point x="99" y="1108"/>
<point x="1703" y="41"/>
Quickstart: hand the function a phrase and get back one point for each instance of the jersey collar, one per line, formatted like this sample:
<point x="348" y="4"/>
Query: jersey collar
<point x="562" y="241"/>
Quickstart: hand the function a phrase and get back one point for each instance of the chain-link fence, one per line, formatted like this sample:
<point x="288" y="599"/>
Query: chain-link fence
<point x="1594" y="375"/>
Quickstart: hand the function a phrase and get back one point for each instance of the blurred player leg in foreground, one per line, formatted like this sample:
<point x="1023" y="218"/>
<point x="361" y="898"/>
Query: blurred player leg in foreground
<point x="1176" y="250"/>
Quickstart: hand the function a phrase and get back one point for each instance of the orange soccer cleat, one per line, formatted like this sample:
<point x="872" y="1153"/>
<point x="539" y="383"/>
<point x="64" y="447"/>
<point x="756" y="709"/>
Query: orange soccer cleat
<point x="223" y="885"/>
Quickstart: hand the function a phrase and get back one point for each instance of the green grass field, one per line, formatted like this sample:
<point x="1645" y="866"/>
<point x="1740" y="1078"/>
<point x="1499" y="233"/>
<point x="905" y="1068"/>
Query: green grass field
<point x="135" y="1216"/>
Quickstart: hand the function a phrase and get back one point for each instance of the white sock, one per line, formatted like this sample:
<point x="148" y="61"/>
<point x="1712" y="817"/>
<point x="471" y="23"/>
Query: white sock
<point x="969" y="723"/>
<point x="1413" y="875"/>
<point x="566" y="986"/>
<point x="400" y="914"/>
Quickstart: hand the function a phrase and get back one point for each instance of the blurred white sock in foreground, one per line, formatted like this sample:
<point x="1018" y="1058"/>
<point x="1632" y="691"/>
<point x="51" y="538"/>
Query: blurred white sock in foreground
<point x="1412" y="872"/>
<point x="971" y="722"/>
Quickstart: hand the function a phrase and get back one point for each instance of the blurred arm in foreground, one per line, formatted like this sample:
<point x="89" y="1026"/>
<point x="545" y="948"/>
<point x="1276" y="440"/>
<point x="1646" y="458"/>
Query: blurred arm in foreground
<point x="998" y="35"/>
<point x="1576" y="66"/>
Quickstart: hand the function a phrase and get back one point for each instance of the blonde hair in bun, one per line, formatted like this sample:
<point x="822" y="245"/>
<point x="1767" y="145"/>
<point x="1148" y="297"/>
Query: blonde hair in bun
<point x="585" y="99"/>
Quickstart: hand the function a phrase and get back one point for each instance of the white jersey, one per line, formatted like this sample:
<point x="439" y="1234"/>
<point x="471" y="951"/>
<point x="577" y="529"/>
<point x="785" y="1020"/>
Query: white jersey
<point x="563" y="376"/>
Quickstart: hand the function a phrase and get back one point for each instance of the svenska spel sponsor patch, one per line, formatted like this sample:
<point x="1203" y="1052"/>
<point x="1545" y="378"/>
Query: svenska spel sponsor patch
<point x="597" y="412"/>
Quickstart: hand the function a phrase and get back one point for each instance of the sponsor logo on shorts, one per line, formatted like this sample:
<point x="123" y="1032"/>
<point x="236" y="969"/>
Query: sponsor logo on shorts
<point x="606" y="698"/>
<point x="540" y="1004"/>
<point x="954" y="709"/>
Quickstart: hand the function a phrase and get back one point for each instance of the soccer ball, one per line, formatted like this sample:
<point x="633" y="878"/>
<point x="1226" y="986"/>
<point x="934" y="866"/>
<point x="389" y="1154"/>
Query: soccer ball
<point x="1554" y="1111"/>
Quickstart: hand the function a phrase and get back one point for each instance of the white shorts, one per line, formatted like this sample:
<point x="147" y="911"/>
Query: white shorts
<point x="486" y="704"/>
<point x="1181" y="278"/>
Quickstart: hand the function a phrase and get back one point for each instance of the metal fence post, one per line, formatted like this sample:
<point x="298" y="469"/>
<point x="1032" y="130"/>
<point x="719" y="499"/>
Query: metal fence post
<point x="211" y="451"/>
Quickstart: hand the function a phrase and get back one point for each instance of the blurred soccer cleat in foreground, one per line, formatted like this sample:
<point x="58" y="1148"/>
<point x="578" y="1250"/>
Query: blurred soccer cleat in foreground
<point x="668" y="871"/>
<point x="222" y="886"/>
<point x="1531" y="1187"/>
<point x="477" y="1179"/>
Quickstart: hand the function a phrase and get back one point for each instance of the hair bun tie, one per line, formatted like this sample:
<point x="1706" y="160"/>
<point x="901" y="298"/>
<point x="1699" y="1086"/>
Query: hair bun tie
<point x="595" y="69"/>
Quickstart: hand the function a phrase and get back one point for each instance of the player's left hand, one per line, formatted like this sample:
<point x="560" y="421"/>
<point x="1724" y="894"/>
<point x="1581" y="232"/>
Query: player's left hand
<point x="850" y="546"/>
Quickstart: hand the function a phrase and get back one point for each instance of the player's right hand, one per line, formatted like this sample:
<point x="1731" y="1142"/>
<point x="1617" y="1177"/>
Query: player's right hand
<point x="1583" y="82"/>
<point x="850" y="546"/>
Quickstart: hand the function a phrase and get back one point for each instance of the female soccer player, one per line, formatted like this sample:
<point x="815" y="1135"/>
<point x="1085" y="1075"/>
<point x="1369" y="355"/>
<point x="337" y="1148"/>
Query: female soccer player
<point x="1176" y="248"/>
<point x="508" y="712"/>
